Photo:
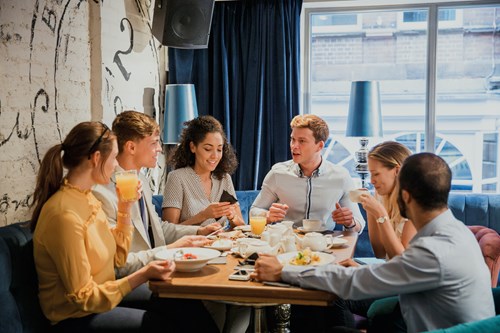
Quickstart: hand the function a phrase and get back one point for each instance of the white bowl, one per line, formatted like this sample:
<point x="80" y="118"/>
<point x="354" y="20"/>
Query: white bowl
<point x="189" y="265"/>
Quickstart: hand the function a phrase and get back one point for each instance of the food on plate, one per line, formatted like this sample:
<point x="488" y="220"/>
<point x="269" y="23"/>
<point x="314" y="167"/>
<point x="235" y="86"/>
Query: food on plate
<point x="224" y="242"/>
<point x="235" y="234"/>
<point x="305" y="257"/>
<point x="189" y="256"/>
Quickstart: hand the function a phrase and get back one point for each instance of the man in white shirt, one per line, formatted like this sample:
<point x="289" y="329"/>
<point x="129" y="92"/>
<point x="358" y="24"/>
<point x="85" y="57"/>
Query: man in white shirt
<point x="441" y="279"/>
<point x="308" y="187"/>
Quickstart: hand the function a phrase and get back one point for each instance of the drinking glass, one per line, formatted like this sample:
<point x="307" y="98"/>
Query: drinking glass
<point x="257" y="224"/>
<point x="127" y="182"/>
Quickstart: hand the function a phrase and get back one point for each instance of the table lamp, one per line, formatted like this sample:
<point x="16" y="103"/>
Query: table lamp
<point x="364" y="120"/>
<point x="180" y="106"/>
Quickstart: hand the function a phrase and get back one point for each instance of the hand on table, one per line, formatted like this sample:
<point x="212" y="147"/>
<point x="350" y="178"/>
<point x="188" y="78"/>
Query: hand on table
<point x="277" y="212"/>
<point x="267" y="268"/>
<point x="190" y="241"/>
<point x="348" y="263"/>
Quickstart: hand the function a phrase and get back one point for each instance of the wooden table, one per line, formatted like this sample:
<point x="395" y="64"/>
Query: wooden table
<point x="212" y="283"/>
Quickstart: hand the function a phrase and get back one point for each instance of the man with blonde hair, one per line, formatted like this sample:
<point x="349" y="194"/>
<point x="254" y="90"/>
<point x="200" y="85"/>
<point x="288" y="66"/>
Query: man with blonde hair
<point x="308" y="187"/>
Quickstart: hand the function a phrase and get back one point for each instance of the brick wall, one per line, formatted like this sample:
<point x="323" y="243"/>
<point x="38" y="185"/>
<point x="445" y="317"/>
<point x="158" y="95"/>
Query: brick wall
<point x="56" y="71"/>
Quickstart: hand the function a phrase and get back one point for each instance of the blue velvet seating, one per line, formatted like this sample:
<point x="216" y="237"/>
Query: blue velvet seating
<point x="19" y="308"/>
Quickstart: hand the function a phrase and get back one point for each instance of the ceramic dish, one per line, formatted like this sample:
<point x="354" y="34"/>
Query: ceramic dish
<point x="337" y="242"/>
<point x="324" y="258"/>
<point x="244" y="228"/>
<point x="203" y="255"/>
<point x="221" y="245"/>
<point x="301" y="229"/>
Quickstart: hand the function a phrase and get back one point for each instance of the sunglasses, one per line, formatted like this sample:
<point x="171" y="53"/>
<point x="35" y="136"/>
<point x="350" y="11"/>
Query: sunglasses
<point x="98" y="141"/>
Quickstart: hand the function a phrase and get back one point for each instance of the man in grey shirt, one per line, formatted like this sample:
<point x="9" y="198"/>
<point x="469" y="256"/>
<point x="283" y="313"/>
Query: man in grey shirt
<point x="441" y="279"/>
<point x="308" y="187"/>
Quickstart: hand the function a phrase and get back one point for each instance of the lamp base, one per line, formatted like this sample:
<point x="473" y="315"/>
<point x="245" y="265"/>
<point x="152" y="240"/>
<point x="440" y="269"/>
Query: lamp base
<point x="362" y="158"/>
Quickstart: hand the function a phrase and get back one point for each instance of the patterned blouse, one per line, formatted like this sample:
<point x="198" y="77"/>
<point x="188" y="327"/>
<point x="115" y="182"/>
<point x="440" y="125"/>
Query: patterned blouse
<point x="184" y="191"/>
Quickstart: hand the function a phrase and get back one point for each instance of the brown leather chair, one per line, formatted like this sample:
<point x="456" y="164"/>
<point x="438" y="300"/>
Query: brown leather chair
<point x="489" y="242"/>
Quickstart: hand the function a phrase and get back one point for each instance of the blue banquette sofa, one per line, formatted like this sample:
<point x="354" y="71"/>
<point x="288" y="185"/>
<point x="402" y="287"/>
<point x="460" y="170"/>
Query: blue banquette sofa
<point x="19" y="308"/>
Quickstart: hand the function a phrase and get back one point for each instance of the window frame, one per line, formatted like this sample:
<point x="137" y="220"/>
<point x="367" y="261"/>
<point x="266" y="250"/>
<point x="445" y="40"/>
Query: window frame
<point x="311" y="7"/>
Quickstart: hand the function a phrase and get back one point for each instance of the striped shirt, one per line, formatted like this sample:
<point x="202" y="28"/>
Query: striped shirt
<point x="184" y="191"/>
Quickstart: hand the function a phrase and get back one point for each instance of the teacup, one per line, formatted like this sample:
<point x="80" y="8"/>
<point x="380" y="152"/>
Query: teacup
<point x="355" y="195"/>
<point x="311" y="224"/>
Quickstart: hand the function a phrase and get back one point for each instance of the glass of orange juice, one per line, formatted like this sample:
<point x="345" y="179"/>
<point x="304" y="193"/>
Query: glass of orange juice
<point x="127" y="182"/>
<point x="257" y="224"/>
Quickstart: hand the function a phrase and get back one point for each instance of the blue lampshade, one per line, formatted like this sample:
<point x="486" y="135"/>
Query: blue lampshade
<point x="365" y="117"/>
<point x="180" y="106"/>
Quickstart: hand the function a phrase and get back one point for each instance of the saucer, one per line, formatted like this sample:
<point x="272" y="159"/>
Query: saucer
<point x="301" y="229"/>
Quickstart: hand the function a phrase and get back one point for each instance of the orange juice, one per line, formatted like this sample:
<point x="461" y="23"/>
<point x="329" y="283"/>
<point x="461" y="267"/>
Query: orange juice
<point x="127" y="182"/>
<point x="257" y="224"/>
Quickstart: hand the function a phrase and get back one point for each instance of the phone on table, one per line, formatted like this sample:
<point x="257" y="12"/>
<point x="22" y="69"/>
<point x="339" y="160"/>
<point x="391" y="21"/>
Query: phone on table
<point x="248" y="268"/>
<point x="240" y="275"/>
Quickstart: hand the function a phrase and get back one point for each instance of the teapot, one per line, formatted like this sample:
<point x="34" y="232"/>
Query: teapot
<point x="313" y="240"/>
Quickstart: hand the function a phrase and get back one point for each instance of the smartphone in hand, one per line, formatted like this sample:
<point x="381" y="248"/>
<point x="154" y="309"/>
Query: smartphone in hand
<point x="226" y="197"/>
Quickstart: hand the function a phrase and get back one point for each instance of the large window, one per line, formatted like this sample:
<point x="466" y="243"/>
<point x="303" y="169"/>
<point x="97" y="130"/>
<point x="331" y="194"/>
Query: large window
<point x="440" y="88"/>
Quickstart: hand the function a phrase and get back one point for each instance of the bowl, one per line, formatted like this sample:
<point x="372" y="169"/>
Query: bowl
<point x="203" y="256"/>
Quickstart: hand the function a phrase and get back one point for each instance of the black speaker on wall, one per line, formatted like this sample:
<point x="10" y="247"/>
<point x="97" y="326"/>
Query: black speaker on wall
<point x="183" y="24"/>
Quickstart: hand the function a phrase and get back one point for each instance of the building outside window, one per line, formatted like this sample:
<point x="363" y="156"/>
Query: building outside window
<point x="453" y="111"/>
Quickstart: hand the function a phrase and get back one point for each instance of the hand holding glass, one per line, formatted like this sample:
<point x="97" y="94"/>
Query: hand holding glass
<point x="127" y="182"/>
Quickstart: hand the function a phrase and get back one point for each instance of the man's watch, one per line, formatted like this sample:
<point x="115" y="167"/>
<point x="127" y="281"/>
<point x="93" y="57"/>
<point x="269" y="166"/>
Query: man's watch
<point x="382" y="219"/>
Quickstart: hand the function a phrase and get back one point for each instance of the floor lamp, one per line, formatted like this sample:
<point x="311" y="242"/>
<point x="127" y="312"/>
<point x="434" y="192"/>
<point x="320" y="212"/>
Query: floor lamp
<point x="364" y="120"/>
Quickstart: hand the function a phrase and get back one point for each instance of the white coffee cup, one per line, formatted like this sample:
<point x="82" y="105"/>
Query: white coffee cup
<point x="311" y="224"/>
<point x="355" y="195"/>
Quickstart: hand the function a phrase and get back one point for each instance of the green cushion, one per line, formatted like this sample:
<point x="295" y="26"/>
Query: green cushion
<point x="480" y="326"/>
<point x="383" y="306"/>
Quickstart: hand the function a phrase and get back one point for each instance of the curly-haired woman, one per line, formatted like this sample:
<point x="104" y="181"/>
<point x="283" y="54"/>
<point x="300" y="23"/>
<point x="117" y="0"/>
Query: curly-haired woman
<point x="203" y="163"/>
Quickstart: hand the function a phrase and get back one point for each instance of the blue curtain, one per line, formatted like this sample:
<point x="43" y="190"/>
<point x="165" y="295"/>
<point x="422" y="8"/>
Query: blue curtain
<point x="249" y="79"/>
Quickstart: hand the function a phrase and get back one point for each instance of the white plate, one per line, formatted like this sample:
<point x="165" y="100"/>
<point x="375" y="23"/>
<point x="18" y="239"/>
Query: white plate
<point x="337" y="242"/>
<point x="244" y="228"/>
<point x="324" y="258"/>
<point x="189" y="265"/>
<point x="221" y="245"/>
<point x="301" y="229"/>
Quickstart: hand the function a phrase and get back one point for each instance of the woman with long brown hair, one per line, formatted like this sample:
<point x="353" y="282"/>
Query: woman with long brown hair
<point x="75" y="251"/>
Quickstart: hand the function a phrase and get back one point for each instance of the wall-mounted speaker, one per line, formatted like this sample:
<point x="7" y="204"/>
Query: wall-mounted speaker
<point x="183" y="24"/>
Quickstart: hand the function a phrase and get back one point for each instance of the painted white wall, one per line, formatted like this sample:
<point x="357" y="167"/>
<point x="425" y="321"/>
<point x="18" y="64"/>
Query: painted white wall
<point x="63" y="62"/>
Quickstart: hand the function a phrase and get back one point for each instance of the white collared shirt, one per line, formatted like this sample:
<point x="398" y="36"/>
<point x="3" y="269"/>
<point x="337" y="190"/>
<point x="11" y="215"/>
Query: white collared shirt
<point x="308" y="197"/>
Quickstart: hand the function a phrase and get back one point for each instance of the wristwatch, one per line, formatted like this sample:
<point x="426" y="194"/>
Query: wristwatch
<point x="382" y="219"/>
